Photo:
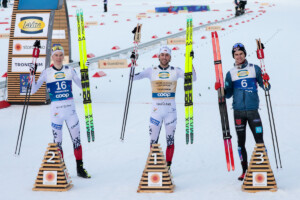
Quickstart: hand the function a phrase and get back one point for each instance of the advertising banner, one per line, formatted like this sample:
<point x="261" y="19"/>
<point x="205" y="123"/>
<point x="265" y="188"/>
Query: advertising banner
<point x="25" y="47"/>
<point x="31" y="25"/>
<point x="22" y="64"/>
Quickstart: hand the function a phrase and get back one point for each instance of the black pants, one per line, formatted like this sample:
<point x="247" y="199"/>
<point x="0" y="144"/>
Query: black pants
<point x="241" y="118"/>
<point x="4" y="3"/>
<point x="105" y="7"/>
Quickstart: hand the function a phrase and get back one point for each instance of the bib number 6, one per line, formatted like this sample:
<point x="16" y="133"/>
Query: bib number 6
<point x="244" y="83"/>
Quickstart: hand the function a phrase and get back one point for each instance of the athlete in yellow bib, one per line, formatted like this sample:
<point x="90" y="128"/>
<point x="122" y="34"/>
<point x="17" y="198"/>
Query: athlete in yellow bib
<point x="163" y="81"/>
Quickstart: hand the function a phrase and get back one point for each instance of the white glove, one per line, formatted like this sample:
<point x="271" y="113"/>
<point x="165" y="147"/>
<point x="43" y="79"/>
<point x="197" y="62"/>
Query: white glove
<point x="87" y="63"/>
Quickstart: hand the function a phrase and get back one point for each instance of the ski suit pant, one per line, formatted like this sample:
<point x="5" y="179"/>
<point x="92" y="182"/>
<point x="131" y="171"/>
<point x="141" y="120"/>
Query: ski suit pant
<point x="163" y="111"/>
<point x="65" y="111"/>
<point x="241" y="118"/>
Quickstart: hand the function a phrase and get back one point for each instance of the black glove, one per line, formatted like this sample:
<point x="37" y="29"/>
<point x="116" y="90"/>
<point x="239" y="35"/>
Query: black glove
<point x="192" y="54"/>
<point x="134" y="56"/>
<point x="134" y="30"/>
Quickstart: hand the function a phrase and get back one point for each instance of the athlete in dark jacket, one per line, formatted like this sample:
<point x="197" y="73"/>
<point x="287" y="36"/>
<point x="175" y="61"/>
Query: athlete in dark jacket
<point x="241" y="83"/>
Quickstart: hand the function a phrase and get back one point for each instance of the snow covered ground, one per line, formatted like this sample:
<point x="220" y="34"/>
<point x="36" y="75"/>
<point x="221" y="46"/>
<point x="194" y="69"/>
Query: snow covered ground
<point x="199" y="170"/>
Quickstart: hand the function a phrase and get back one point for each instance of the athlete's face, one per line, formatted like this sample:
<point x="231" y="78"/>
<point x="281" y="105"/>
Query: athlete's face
<point x="239" y="57"/>
<point x="164" y="59"/>
<point x="58" y="58"/>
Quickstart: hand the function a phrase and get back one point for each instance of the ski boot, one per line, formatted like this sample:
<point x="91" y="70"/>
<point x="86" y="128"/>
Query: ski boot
<point x="241" y="177"/>
<point x="81" y="172"/>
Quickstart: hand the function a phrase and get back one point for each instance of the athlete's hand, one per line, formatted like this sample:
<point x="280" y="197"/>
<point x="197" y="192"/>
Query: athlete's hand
<point x="31" y="69"/>
<point x="134" y="56"/>
<point x="87" y="63"/>
<point x="217" y="85"/>
<point x="192" y="54"/>
<point x="266" y="77"/>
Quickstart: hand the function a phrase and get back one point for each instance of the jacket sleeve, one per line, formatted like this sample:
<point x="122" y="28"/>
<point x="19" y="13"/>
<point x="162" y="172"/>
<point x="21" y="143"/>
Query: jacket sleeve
<point x="76" y="78"/>
<point x="36" y="85"/>
<point x="144" y="74"/>
<point x="228" y="86"/>
<point x="259" y="78"/>
<point x="180" y="73"/>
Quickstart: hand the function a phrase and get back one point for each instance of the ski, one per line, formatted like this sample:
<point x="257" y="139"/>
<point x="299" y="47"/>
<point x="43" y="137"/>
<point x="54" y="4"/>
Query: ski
<point x="134" y="57"/>
<point x="222" y="102"/>
<point x="188" y="83"/>
<point x="87" y="102"/>
<point x="261" y="56"/>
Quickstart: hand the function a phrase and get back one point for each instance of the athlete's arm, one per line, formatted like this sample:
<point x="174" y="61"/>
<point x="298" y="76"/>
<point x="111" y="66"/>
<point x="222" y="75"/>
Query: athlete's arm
<point x="144" y="74"/>
<point x="76" y="78"/>
<point x="180" y="73"/>
<point x="36" y="85"/>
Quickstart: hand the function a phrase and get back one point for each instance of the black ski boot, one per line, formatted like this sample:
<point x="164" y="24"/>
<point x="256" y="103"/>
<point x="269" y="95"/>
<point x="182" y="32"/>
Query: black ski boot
<point x="245" y="167"/>
<point x="81" y="172"/>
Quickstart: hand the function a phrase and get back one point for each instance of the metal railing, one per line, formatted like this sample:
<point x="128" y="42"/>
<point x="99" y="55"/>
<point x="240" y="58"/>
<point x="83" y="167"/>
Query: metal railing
<point x="142" y="46"/>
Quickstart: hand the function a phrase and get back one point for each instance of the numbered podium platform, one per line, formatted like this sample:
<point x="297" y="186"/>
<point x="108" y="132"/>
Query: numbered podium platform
<point x="156" y="177"/>
<point x="53" y="174"/>
<point x="259" y="176"/>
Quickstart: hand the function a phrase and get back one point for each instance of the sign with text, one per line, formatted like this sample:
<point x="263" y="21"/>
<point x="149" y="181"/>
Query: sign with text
<point x="176" y="41"/>
<point x="213" y="28"/>
<point x="22" y="64"/>
<point x="31" y="25"/>
<point x="58" y="34"/>
<point x="91" y="23"/>
<point x="25" y="47"/>
<point x="112" y="64"/>
<point x="4" y="35"/>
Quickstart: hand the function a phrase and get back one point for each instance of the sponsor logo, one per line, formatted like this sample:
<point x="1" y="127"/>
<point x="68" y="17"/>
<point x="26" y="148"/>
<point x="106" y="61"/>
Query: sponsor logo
<point x="66" y="95"/>
<point x="31" y="25"/>
<point x="243" y="73"/>
<point x="238" y="121"/>
<point x="240" y="153"/>
<point x="154" y="109"/>
<point x="56" y="126"/>
<point x="17" y="64"/>
<point x="164" y="75"/>
<point x="59" y="75"/>
<point x="256" y="120"/>
<point x="55" y="114"/>
<point x="18" y="47"/>
<point x="75" y="125"/>
<point x="172" y="122"/>
<point x="163" y="104"/>
<point x="163" y="94"/>
<point x="154" y="121"/>
<point x="258" y="129"/>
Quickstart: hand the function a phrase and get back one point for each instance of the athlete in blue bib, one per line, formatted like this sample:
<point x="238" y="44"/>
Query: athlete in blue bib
<point x="241" y="83"/>
<point x="58" y="79"/>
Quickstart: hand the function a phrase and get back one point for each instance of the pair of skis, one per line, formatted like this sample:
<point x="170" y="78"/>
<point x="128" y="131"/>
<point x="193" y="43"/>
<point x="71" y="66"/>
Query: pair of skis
<point x="222" y="102"/>
<point x="87" y="102"/>
<point x="134" y="57"/>
<point x="35" y="56"/>
<point x="188" y="83"/>
<point x="261" y="56"/>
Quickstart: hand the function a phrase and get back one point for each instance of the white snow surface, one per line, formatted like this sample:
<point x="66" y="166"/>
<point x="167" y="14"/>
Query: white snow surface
<point x="199" y="170"/>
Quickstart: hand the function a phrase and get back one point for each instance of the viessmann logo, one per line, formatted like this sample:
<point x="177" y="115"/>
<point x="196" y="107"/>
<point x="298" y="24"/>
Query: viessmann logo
<point x="59" y="75"/>
<point x="164" y="75"/>
<point x="31" y="25"/>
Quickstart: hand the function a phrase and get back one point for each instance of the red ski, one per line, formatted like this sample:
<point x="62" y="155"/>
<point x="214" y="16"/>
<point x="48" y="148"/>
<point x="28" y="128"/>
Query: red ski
<point x="222" y="102"/>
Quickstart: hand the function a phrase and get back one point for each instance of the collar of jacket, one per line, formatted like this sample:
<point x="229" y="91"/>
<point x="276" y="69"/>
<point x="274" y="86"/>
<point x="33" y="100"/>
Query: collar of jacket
<point x="56" y="68"/>
<point x="163" y="68"/>
<point x="242" y="65"/>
